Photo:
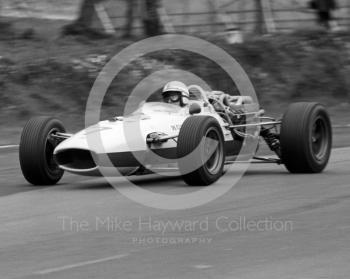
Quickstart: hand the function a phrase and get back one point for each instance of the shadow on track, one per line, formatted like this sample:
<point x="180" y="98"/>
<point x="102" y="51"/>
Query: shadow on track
<point x="141" y="181"/>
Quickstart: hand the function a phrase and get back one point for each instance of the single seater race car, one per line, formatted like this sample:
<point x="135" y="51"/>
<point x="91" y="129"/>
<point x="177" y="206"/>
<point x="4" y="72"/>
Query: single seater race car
<point x="209" y="132"/>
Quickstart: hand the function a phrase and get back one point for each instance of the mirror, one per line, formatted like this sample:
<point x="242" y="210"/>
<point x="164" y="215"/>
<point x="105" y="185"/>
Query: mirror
<point x="195" y="108"/>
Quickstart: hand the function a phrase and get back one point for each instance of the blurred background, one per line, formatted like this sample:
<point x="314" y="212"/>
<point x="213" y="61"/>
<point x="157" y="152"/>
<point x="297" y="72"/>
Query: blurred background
<point x="52" y="50"/>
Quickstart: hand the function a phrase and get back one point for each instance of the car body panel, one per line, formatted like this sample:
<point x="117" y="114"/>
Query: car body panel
<point x="124" y="137"/>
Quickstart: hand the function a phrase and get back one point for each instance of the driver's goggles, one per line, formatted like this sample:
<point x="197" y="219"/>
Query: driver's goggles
<point x="172" y="96"/>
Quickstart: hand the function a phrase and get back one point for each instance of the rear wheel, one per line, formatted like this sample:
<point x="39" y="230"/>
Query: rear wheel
<point x="36" y="151"/>
<point x="200" y="150"/>
<point x="306" y="138"/>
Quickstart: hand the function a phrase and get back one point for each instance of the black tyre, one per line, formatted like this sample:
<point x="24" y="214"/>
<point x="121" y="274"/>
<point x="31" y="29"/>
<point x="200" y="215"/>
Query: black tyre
<point x="201" y="162"/>
<point x="306" y="138"/>
<point x="36" y="151"/>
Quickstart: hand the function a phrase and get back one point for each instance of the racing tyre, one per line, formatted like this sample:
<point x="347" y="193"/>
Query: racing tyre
<point x="36" y="151"/>
<point x="306" y="138"/>
<point x="200" y="150"/>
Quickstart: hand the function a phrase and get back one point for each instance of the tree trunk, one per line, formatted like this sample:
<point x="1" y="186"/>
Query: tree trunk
<point x="86" y="13"/>
<point x="242" y="16"/>
<point x="212" y="16"/>
<point x="259" y="21"/>
<point x="129" y="18"/>
<point x="82" y="25"/>
<point x="151" y="19"/>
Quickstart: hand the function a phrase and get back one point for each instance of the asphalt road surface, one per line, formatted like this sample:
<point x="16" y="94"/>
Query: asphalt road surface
<point x="270" y="225"/>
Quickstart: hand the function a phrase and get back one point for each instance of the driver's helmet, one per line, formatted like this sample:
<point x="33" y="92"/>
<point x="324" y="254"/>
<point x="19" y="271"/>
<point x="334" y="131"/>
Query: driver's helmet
<point x="176" y="92"/>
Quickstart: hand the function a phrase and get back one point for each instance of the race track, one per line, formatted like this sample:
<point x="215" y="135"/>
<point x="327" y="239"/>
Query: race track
<point x="313" y="242"/>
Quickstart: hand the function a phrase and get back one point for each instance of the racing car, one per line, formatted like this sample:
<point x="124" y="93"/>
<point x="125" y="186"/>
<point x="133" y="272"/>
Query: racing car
<point x="209" y="132"/>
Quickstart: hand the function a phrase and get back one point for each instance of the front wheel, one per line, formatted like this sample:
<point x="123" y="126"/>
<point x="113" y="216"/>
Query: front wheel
<point x="306" y="138"/>
<point x="200" y="150"/>
<point x="36" y="151"/>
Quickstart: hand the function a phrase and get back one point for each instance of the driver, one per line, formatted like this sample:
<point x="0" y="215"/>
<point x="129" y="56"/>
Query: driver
<point x="176" y="92"/>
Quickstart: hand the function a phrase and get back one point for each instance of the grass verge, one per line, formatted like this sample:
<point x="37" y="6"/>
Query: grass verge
<point x="42" y="73"/>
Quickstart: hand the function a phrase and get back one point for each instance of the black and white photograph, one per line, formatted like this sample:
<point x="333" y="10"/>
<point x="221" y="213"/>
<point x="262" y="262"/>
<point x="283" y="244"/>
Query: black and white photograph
<point x="175" y="139"/>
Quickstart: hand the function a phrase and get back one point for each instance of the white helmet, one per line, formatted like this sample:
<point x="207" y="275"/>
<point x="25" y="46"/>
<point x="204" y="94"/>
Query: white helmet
<point x="180" y="90"/>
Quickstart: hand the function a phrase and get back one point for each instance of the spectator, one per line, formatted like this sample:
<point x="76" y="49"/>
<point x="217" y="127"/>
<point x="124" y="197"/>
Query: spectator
<point x="324" y="11"/>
